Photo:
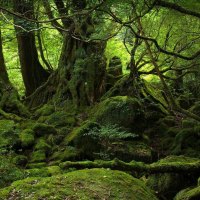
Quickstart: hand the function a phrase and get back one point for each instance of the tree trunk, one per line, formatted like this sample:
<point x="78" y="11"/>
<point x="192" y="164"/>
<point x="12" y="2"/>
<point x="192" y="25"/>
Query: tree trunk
<point x="9" y="99"/>
<point x="32" y="71"/>
<point x="81" y="71"/>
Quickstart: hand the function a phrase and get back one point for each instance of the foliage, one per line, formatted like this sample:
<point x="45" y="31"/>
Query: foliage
<point x="110" y="132"/>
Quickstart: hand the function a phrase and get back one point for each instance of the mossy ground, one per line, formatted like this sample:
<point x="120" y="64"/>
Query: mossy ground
<point x="118" y="127"/>
<point x="83" y="184"/>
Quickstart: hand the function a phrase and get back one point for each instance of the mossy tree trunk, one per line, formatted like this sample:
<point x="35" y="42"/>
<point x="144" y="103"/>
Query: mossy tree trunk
<point x="32" y="71"/>
<point x="9" y="99"/>
<point x="79" y="78"/>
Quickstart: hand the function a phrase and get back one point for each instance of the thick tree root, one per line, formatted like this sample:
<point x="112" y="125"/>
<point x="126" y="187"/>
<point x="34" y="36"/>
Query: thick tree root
<point x="171" y="167"/>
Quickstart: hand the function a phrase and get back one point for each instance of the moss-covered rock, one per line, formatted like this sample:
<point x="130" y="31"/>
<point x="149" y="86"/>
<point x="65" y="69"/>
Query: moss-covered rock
<point x="43" y="172"/>
<point x="20" y="160"/>
<point x="60" y="119"/>
<point x="196" y="108"/>
<point x="82" y="184"/>
<point x="27" y="138"/>
<point x="64" y="154"/>
<point x="41" y="144"/>
<point x="77" y="133"/>
<point x="187" y="142"/>
<point x="94" y="141"/>
<point x="168" y="184"/>
<point x="130" y="150"/>
<point x="38" y="165"/>
<point x="9" y="172"/>
<point x="123" y="111"/>
<point x="45" y="110"/>
<point x="41" y="129"/>
<point x="189" y="194"/>
<point x="8" y="135"/>
<point x="38" y="156"/>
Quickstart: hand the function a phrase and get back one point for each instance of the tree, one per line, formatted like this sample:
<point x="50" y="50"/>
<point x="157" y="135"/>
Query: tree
<point x="9" y="99"/>
<point x="79" y="78"/>
<point x="32" y="71"/>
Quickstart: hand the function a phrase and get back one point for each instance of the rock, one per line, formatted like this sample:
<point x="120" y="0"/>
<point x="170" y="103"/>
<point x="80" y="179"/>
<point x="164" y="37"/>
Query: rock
<point x="27" y="138"/>
<point x="38" y="156"/>
<point x="87" y="184"/>
<point x="42" y="145"/>
<point x="9" y="172"/>
<point x="43" y="172"/>
<point x="8" y="135"/>
<point x="45" y="110"/>
<point x="123" y="111"/>
<point x="59" y="119"/>
<point x="41" y="129"/>
<point x="192" y="193"/>
<point x="168" y="184"/>
<point x="67" y="153"/>
<point x="94" y="141"/>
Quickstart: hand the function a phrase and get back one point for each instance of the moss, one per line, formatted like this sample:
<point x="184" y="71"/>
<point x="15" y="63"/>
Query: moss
<point x="42" y="145"/>
<point x="130" y="150"/>
<point x="69" y="153"/>
<point x="77" y="133"/>
<point x="38" y="156"/>
<point x="9" y="172"/>
<point x="45" y="110"/>
<point x="20" y="160"/>
<point x="82" y="184"/>
<point x="168" y="184"/>
<point x="36" y="165"/>
<point x="8" y="135"/>
<point x="43" y="172"/>
<point x="42" y="129"/>
<point x="187" y="142"/>
<point x="189" y="194"/>
<point x="27" y="138"/>
<point x="60" y="119"/>
<point x="123" y="111"/>
<point x="195" y="108"/>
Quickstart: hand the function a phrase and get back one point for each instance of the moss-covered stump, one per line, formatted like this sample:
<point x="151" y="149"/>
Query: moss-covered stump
<point x="123" y="111"/>
<point x="168" y="184"/>
<point x="189" y="194"/>
<point x="83" y="184"/>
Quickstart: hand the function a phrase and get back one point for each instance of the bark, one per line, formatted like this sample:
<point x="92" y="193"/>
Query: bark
<point x="3" y="72"/>
<point x="81" y="71"/>
<point x="32" y="71"/>
<point x="9" y="99"/>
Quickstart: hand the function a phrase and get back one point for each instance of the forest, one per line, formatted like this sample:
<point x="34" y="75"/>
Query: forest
<point x="99" y="99"/>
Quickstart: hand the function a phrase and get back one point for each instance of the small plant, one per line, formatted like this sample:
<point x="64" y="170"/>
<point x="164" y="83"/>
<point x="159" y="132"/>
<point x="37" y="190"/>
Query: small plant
<point x="110" y="132"/>
<point x="107" y="135"/>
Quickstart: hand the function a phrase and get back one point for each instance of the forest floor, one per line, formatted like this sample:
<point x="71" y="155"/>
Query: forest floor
<point x="121" y="148"/>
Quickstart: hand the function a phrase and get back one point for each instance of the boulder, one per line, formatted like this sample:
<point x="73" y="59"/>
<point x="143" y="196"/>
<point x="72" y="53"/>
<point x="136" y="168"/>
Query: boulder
<point x="87" y="184"/>
<point x="123" y="111"/>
